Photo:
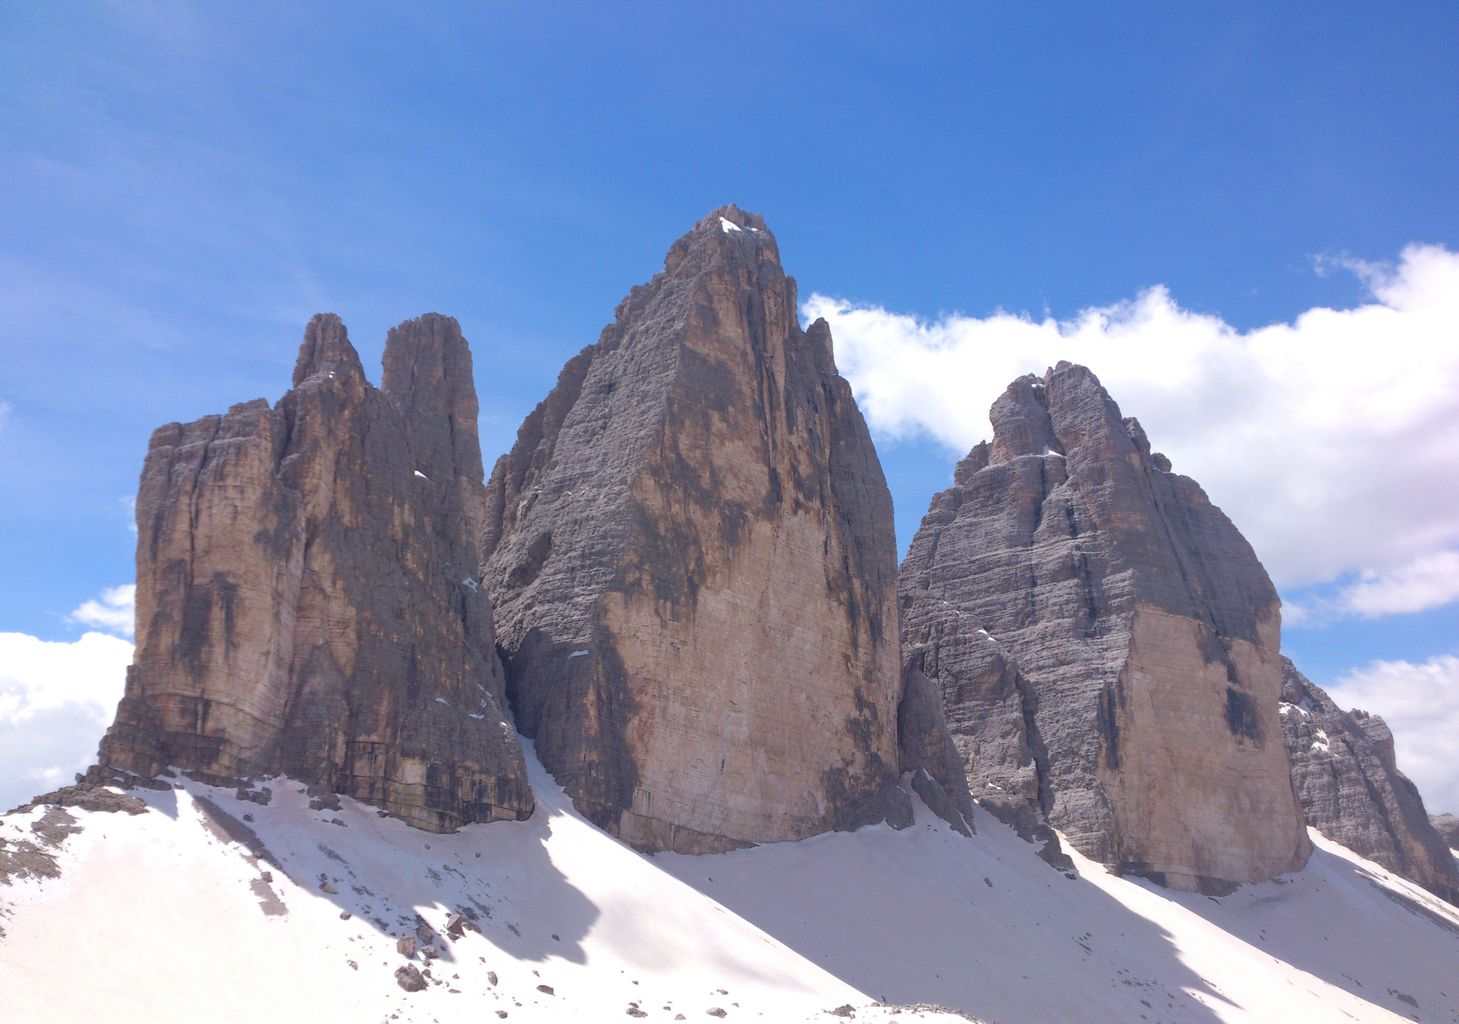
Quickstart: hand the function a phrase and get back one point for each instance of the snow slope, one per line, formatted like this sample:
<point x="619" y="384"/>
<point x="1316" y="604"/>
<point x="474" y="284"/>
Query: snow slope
<point x="191" y="912"/>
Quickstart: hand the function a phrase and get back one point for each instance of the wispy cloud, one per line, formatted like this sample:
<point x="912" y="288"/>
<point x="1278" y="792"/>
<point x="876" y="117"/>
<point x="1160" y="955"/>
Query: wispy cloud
<point x="1420" y="703"/>
<point x="1331" y="441"/>
<point x="114" y="610"/>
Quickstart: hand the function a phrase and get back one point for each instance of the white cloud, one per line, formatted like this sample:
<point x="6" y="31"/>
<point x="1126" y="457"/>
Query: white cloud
<point x="1420" y="703"/>
<point x="56" y="699"/>
<point x="1426" y="582"/>
<point x="45" y="675"/>
<point x="115" y="610"/>
<point x="5" y="408"/>
<point x="1331" y="441"/>
<point x="1429" y="581"/>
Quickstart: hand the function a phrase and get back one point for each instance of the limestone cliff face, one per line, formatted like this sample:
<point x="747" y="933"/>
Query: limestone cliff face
<point x="1351" y="788"/>
<point x="690" y="553"/>
<point x="306" y="592"/>
<point x="1106" y="645"/>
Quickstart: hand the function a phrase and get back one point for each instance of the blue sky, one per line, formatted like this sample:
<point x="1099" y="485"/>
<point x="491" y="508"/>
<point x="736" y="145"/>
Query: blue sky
<point x="184" y="186"/>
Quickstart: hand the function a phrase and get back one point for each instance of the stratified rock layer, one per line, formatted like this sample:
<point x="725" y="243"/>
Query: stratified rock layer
<point x="306" y="593"/>
<point x="987" y="709"/>
<point x="1352" y="791"/>
<point x="1106" y="645"/>
<point x="691" y="557"/>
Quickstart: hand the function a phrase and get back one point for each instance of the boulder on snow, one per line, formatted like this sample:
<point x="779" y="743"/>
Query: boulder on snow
<point x="408" y="978"/>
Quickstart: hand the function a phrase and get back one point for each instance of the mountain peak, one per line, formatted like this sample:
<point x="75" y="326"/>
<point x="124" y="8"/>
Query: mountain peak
<point x="726" y="239"/>
<point x="326" y="349"/>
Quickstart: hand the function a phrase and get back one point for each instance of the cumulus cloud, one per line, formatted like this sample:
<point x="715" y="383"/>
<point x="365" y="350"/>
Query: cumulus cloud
<point x="115" y="610"/>
<point x="56" y="700"/>
<point x="1420" y="703"/>
<point x="1332" y="441"/>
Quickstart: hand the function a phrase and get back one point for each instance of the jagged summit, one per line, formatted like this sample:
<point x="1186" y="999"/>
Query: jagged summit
<point x="1105" y="643"/>
<point x="690" y="552"/>
<point x="740" y="226"/>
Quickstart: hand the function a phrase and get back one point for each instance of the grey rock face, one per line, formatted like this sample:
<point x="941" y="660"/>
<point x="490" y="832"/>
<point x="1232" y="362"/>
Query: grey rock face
<point x="985" y="715"/>
<point x="1448" y="828"/>
<point x="1105" y="644"/>
<point x="928" y="753"/>
<point x="690" y="553"/>
<point x="307" y="600"/>
<point x="1351" y="788"/>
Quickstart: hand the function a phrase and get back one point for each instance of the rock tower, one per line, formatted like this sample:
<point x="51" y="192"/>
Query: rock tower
<point x="1106" y="645"/>
<point x="690" y="553"/>
<point x="307" y="600"/>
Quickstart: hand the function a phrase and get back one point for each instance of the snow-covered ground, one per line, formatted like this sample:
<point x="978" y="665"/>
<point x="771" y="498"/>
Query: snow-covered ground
<point x="190" y="912"/>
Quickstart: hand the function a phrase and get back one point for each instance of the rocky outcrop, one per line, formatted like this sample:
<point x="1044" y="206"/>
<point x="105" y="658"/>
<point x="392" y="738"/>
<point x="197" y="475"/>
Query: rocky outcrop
<point x="1106" y="645"/>
<point x="986" y="714"/>
<point x="1447" y="825"/>
<point x="690" y="553"/>
<point x="928" y="755"/>
<point x="1352" y="791"/>
<point x="87" y="797"/>
<point x="307" y="600"/>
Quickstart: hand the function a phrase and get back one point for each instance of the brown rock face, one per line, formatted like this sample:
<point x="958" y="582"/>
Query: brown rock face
<point x="1105" y="643"/>
<point x="306" y="592"/>
<point x="690" y="553"/>
<point x="1352" y="791"/>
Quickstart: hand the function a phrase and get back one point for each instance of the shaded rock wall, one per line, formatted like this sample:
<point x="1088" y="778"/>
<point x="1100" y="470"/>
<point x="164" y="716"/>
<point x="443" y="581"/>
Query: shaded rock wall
<point x="1352" y="791"/>
<point x="306" y="592"/>
<point x="1106" y="645"/>
<point x="690" y="553"/>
